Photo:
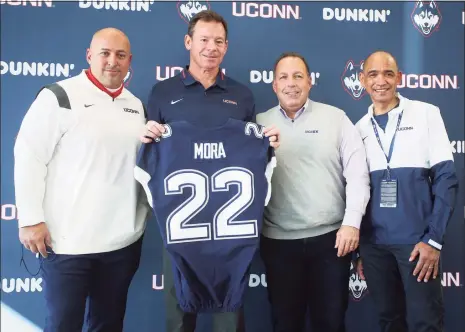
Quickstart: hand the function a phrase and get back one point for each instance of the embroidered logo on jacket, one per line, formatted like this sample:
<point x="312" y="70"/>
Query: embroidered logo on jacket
<point x="129" y="110"/>
<point x="405" y="128"/>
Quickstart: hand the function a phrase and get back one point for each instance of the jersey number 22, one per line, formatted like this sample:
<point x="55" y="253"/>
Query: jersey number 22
<point x="224" y="225"/>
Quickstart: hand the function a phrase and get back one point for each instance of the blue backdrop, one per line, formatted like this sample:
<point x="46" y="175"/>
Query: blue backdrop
<point x="45" y="41"/>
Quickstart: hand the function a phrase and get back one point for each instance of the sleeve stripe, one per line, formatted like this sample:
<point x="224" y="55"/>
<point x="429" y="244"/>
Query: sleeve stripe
<point x="60" y="94"/>
<point x="434" y="244"/>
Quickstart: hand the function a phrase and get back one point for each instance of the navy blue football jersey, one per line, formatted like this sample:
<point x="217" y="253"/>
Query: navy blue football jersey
<point x="208" y="188"/>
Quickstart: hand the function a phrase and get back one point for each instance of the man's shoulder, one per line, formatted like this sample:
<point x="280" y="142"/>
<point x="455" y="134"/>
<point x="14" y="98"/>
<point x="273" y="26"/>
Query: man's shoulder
<point x="417" y="105"/>
<point x="363" y="121"/>
<point x="128" y="95"/>
<point x="268" y="114"/>
<point x="68" y="83"/>
<point x="328" y="109"/>
<point x="59" y="91"/>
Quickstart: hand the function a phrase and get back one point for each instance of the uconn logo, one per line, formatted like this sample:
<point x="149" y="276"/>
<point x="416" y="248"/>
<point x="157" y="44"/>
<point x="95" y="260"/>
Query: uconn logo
<point x="129" y="110"/>
<point x="427" y="81"/>
<point x="350" y="79"/>
<point x="357" y="287"/>
<point x="188" y="9"/>
<point x="405" y="128"/>
<point x="266" y="10"/>
<point x="426" y="17"/>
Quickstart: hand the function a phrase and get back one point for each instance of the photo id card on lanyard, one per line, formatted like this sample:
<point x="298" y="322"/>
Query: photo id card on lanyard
<point x="388" y="184"/>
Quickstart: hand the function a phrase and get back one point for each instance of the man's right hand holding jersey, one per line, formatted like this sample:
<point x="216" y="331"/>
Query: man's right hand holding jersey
<point x="36" y="238"/>
<point x="154" y="130"/>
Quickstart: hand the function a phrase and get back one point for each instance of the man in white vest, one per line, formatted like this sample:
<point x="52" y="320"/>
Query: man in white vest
<point x="320" y="189"/>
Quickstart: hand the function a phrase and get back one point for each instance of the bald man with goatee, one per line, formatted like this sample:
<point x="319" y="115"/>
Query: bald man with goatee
<point x="80" y="207"/>
<point x="413" y="192"/>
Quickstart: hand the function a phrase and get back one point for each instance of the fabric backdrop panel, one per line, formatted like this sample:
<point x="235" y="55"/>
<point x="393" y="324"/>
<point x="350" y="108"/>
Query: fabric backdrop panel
<point x="45" y="41"/>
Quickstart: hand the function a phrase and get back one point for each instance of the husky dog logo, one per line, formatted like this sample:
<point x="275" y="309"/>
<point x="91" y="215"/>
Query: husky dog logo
<point x="357" y="287"/>
<point x="426" y="17"/>
<point x="128" y="77"/>
<point x="351" y="80"/>
<point x="187" y="9"/>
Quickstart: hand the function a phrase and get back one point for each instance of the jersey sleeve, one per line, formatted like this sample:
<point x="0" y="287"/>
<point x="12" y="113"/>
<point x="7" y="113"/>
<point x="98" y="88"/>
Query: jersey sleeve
<point x="41" y="131"/>
<point x="271" y="164"/>
<point x="145" y="166"/>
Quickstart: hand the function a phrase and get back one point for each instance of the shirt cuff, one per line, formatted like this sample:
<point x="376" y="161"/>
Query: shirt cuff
<point x="352" y="218"/>
<point x="428" y="240"/>
<point x="28" y="222"/>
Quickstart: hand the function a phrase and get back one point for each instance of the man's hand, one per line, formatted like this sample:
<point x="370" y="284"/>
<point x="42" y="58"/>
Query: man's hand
<point x="152" y="130"/>
<point x="35" y="238"/>
<point x="360" y="269"/>
<point x="273" y="133"/>
<point x="346" y="240"/>
<point x="427" y="263"/>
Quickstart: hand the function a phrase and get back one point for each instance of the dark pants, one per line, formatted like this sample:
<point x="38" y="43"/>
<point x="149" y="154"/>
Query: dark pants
<point x="180" y="321"/>
<point x="403" y="303"/>
<point x="306" y="274"/>
<point x="104" y="278"/>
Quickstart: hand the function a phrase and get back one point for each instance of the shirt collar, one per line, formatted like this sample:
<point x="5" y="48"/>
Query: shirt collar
<point x="188" y="79"/>
<point x="298" y="113"/>
<point x="113" y="94"/>
<point x="395" y="111"/>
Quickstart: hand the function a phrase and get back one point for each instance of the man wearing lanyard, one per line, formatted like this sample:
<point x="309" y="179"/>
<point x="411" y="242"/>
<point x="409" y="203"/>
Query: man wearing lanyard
<point x="413" y="190"/>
